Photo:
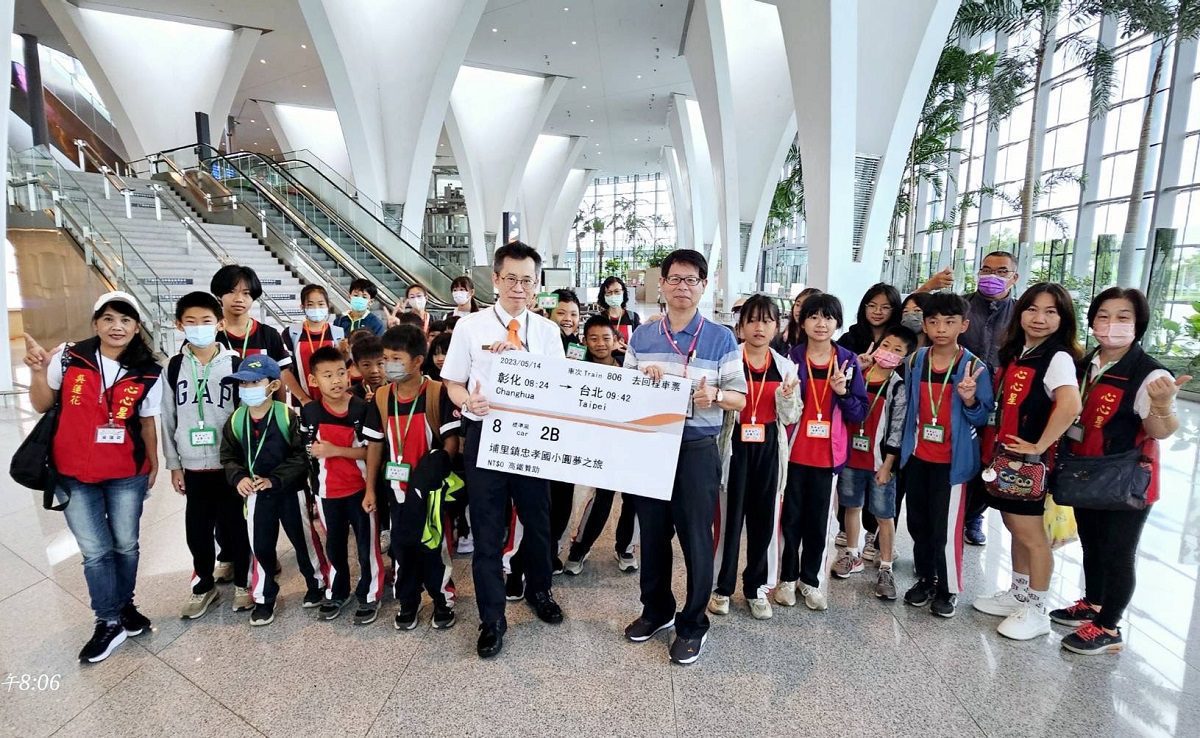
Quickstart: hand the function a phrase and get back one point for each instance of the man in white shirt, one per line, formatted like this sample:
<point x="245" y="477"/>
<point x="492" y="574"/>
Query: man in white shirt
<point x="478" y="338"/>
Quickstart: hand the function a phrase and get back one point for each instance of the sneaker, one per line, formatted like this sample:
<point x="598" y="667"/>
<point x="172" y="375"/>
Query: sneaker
<point x="718" y="604"/>
<point x="1090" y="639"/>
<point x="105" y="640"/>
<point x="556" y="566"/>
<point x="885" y="585"/>
<point x="870" y="550"/>
<point x="943" y="605"/>
<point x="785" y="594"/>
<point x="443" y="617"/>
<point x="133" y="621"/>
<point x="687" y="650"/>
<point x="573" y="567"/>
<point x="1002" y="604"/>
<point x="198" y="604"/>
<point x="385" y="540"/>
<point x="846" y="565"/>
<point x="466" y="545"/>
<point x="1025" y="624"/>
<point x="366" y="613"/>
<point x="627" y="562"/>
<point x="642" y="629"/>
<point x="314" y="598"/>
<point x="760" y="608"/>
<point x="330" y="609"/>
<point x="263" y="614"/>
<point x="406" y="619"/>
<point x="242" y="600"/>
<point x="514" y="588"/>
<point x="973" y="531"/>
<point x="223" y="572"/>
<point x="920" y="594"/>
<point x="1075" y="615"/>
<point x="814" y="598"/>
<point x="840" y="540"/>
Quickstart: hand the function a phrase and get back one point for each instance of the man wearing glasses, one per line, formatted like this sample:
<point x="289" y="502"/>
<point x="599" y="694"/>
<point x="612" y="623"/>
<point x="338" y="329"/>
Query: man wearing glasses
<point x="705" y="354"/>
<point x="478" y="338"/>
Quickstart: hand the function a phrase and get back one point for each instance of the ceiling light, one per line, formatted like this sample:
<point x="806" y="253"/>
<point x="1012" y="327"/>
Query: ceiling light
<point x="252" y="120"/>
<point x="495" y="30"/>
<point x="304" y="46"/>
<point x="574" y="43"/>
<point x="639" y="76"/>
<point x="256" y="143"/>
<point x="597" y="146"/>
<point x="591" y="120"/>
<point x="304" y="85"/>
<point x="262" y="61"/>
<point x="565" y="9"/>
<point x="269" y="128"/>
<point x="584" y="86"/>
<point x="634" y="140"/>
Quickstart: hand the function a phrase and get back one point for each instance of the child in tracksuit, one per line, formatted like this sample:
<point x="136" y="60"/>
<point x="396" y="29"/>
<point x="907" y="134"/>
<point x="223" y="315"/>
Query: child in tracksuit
<point x="949" y="398"/>
<point x="834" y="397"/>
<point x="262" y="451"/>
<point x="192" y="419"/>
<point x="869" y="479"/>
<point x="334" y="429"/>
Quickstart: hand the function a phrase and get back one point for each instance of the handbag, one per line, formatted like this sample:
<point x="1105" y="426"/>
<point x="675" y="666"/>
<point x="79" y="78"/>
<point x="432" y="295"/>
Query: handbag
<point x="1111" y="482"/>
<point x="1012" y="477"/>
<point x="32" y="464"/>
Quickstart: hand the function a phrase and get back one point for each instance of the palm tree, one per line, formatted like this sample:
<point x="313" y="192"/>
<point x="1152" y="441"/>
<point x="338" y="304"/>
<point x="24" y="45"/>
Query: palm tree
<point x="787" y="204"/>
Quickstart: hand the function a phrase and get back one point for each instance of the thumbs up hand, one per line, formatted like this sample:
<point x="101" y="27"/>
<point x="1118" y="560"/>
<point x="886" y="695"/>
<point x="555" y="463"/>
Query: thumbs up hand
<point x="477" y="402"/>
<point x="704" y="395"/>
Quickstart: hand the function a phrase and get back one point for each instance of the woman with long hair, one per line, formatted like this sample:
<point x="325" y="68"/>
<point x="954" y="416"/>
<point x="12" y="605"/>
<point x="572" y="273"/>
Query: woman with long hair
<point x="878" y="310"/>
<point x="462" y="290"/>
<point x="792" y="334"/>
<point x="614" y="297"/>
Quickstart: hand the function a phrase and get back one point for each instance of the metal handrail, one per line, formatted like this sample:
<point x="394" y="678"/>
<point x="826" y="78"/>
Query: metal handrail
<point x="86" y="153"/>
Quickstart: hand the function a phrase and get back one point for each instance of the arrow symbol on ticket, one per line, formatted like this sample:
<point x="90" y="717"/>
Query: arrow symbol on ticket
<point x="566" y="386"/>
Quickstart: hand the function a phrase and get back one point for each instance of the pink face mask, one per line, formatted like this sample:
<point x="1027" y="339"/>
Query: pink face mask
<point x="887" y="359"/>
<point x="1115" y="335"/>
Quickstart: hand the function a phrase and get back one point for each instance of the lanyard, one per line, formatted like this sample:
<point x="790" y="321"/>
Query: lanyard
<point x="412" y="408"/>
<point x="245" y="339"/>
<point x="762" y="386"/>
<point x="320" y="337"/>
<point x="354" y="324"/>
<point x="691" y="352"/>
<point x="107" y="390"/>
<point x="200" y="383"/>
<point x="262" y="439"/>
<point x="820" y="400"/>
<point x="862" y="429"/>
<point x="525" y="346"/>
<point x="937" y="406"/>
<point x="1090" y="384"/>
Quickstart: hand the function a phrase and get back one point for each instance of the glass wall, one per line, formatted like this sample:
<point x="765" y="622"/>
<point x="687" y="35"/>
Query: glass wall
<point x="621" y="224"/>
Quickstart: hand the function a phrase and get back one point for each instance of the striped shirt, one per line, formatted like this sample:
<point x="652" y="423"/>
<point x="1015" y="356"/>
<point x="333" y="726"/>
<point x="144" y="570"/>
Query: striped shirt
<point x="713" y="353"/>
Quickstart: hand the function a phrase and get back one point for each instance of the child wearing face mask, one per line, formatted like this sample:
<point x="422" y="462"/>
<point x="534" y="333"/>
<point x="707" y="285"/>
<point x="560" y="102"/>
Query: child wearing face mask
<point x="462" y="291"/>
<point x="191" y="440"/>
<point x="360" y="317"/>
<point x="416" y="299"/>
<point x="306" y="337"/>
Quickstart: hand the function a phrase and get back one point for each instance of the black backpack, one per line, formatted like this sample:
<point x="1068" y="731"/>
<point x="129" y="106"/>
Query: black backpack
<point x="32" y="464"/>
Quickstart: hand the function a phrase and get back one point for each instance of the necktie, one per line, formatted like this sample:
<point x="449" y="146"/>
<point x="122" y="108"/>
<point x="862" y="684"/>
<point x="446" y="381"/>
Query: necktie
<point x="514" y="333"/>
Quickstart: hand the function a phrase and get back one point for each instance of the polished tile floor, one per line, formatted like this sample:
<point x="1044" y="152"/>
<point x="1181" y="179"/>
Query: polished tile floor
<point x="863" y="668"/>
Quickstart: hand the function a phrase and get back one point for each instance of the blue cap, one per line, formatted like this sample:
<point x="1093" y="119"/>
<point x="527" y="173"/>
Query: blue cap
<point x="255" y="368"/>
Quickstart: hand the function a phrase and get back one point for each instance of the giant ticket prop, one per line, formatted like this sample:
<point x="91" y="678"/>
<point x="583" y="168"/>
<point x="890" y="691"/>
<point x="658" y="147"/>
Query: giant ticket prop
<point x="590" y="424"/>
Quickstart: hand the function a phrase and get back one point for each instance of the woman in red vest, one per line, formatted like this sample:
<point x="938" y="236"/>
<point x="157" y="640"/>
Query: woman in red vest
<point x="105" y="450"/>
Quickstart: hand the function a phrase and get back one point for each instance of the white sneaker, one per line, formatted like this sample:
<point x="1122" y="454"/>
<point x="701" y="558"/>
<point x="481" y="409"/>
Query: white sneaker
<point x="466" y="545"/>
<point x="813" y="598"/>
<point x="626" y="563"/>
<point x="785" y="594"/>
<point x="760" y="608"/>
<point x="718" y="604"/>
<point x="1002" y="604"/>
<point x="1026" y="623"/>
<point x="574" y="568"/>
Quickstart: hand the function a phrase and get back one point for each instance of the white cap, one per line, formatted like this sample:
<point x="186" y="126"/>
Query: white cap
<point x="117" y="296"/>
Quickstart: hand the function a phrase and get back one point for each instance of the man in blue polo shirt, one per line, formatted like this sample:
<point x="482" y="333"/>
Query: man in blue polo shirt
<point x="684" y="344"/>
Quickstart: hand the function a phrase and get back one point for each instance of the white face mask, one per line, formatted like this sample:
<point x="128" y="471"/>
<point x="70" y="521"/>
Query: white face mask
<point x="614" y="301"/>
<point x="461" y="297"/>
<point x="200" y="336"/>
<point x="316" y="315"/>
<point x="417" y="303"/>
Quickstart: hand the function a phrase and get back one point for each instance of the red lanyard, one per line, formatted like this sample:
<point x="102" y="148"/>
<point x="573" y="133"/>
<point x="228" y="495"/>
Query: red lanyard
<point x="691" y="352"/>
<point x="820" y="401"/>
<point x="762" y="386"/>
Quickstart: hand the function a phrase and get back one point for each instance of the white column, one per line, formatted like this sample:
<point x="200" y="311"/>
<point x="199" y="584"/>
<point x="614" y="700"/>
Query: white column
<point x="1093" y="153"/>
<point x="681" y="203"/>
<point x="695" y="173"/>
<point x="545" y="177"/>
<point x="6" y="32"/>
<point x="991" y="149"/>
<point x="319" y="130"/>
<point x="565" y="209"/>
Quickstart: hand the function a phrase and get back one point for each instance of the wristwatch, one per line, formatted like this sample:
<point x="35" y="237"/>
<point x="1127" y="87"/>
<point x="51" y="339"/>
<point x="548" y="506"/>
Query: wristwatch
<point x="720" y="396"/>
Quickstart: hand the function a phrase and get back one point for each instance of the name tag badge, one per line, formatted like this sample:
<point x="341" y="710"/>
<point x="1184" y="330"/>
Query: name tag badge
<point x="396" y="472"/>
<point x="203" y="436"/>
<point x="818" y="429"/>
<point x="1075" y="432"/>
<point x="754" y="432"/>
<point x="859" y="442"/>
<point x="114" y="434"/>
<point x="575" y="351"/>
<point x="933" y="433"/>
<point x="993" y="418"/>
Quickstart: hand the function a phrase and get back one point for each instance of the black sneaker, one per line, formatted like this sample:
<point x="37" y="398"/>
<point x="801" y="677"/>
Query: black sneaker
<point x="920" y="594"/>
<point x="514" y="588"/>
<point x="366" y="613"/>
<point x="546" y="608"/>
<point x="314" y="597"/>
<point x="105" y="640"/>
<point x="443" y="617"/>
<point x="330" y="609"/>
<point x="943" y="605"/>
<point x="557" y="567"/>
<point x="406" y="619"/>
<point x="1090" y="639"/>
<point x="133" y="621"/>
<point x="973" y="531"/>
<point x="687" y="650"/>
<point x="642" y="629"/>
<point x="263" y="613"/>
<point x="1075" y="615"/>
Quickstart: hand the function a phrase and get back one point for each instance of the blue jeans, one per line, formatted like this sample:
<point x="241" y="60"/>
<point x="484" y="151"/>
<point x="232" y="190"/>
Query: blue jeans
<point x="105" y="520"/>
<point x="857" y="488"/>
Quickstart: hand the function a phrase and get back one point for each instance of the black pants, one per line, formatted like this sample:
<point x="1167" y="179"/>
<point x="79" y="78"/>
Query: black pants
<point x="751" y="499"/>
<point x="595" y="517"/>
<point x="213" y="507"/>
<point x="1110" y="540"/>
<point x="689" y="514"/>
<point x="339" y="516"/>
<point x="265" y="513"/>
<point x="417" y="565"/>
<point x="807" y="498"/>
<point x="935" y="521"/>
<point x="490" y="491"/>
<point x="562" y="498"/>
<point x="977" y="499"/>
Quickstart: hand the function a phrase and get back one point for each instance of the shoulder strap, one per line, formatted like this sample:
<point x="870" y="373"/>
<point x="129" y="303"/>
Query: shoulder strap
<point x="173" y="366"/>
<point x="381" y="401"/>
<point x="283" y="418"/>
<point x="237" y="421"/>
<point x="433" y="408"/>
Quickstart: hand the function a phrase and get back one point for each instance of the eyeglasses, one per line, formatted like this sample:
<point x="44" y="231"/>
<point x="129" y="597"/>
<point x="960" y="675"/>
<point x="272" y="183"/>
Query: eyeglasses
<point x="526" y="282"/>
<point x="675" y="279"/>
<point x="1004" y="272"/>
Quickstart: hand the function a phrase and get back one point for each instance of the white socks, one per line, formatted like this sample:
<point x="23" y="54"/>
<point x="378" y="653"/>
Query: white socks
<point x="1037" y="600"/>
<point x="1020" y="582"/>
<point x="885" y="565"/>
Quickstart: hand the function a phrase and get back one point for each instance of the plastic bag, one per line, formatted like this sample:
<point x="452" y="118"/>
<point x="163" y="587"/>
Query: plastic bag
<point x="1060" y="523"/>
